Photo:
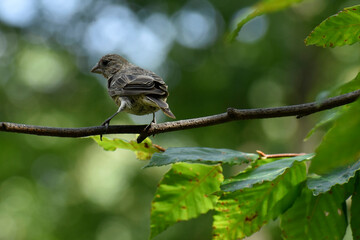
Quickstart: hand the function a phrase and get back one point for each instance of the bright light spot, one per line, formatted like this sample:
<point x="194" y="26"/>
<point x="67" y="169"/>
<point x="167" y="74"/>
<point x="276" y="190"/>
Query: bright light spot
<point x="15" y="196"/>
<point x="41" y="69"/>
<point x="17" y="206"/>
<point x="8" y="226"/>
<point x="278" y="129"/>
<point x="104" y="176"/>
<point x="60" y="11"/>
<point x="18" y="12"/>
<point x="252" y="30"/>
<point x="152" y="52"/>
<point x="162" y="27"/>
<point x="195" y="29"/>
<point x="115" y="28"/>
<point x="118" y="30"/>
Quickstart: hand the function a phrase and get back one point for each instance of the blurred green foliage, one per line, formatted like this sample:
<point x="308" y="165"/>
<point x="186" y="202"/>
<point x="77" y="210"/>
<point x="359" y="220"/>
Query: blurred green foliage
<point x="56" y="188"/>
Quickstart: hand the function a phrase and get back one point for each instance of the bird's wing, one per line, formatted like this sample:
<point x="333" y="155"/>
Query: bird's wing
<point x="137" y="72"/>
<point x="131" y="85"/>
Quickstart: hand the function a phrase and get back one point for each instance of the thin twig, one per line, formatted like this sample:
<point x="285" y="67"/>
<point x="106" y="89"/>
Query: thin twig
<point x="232" y="114"/>
<point x="278" y="155"/>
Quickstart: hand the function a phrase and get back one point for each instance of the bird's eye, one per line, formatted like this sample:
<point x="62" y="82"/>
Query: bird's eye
<point x="105" y="62"/>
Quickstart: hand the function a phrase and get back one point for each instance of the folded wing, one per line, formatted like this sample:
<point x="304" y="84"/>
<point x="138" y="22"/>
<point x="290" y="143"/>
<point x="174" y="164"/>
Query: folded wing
<point x="126" y="85"/>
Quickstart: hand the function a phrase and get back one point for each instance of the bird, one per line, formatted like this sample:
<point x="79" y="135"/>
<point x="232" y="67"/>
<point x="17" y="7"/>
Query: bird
<point x="135" y="90"/>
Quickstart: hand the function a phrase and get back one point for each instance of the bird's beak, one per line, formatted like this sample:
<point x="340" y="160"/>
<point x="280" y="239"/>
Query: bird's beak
<point x="96" y="69"/>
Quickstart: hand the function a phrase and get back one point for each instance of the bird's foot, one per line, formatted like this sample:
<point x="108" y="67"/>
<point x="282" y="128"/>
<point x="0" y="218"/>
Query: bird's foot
<point x="148" y="126"/>
<point x="106" y="124"/>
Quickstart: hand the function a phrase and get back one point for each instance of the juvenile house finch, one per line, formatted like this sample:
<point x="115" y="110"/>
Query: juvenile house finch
<point x="134" y="89"/>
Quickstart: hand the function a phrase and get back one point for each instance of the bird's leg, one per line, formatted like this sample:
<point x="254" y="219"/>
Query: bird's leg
<point x="152" y="122"/>
<point x="154" y="118"/>
<point x="107" y="121"/>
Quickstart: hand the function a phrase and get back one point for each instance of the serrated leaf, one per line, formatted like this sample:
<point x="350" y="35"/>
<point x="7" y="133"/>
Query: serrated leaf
<point x="241" y="213"/>
<point x="340" y="29"/>
<point x="264" y="6"/>
<point x="201" y="155"/>
<point x="315" y="217"/>
<point x="143" y="150"/>
<point x="322" y="184"/>
<point x="340" y="146"/>
<point x="185" y="192"/>
<point x="263" y="173"/>
<point x="355" y="210"/>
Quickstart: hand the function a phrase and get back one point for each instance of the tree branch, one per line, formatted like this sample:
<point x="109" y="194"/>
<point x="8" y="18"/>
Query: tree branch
<point x="232" y="114"/>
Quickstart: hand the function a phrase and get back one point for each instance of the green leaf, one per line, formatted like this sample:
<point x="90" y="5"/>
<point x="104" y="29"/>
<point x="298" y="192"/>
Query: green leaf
<point x="265" y="6"/>
<point x="185" y="192"/>
<point x="355" y="210"/>
<point x="326" y="121"/>
<point x="315" y="217"/>
<point x="243" y="212"/>
<point x="259" y="162"/>
<point x="322" y="184"/>
<point x="143" y="150"/>
<point x="340" y="146"/>
<point x="266" y="172"/>
<point x="201" y="155"/>
<point x="333" y="114"/>
<point x="350" y="86"/>
<point x="340" y="29"/>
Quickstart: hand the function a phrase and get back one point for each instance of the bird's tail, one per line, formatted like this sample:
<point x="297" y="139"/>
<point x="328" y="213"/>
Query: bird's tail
<point x="168" y="112"/>
<point x="162" y="105"/>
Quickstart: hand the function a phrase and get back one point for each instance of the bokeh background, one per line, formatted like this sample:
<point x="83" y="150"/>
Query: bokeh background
<point x="62" y="188"/>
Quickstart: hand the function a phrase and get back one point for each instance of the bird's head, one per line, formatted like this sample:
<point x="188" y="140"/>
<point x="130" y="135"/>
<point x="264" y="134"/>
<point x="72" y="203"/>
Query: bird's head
<point x="109" y="64"/>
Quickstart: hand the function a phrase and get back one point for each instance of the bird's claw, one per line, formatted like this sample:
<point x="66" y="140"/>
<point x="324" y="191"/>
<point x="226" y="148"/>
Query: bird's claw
<point x="148" y="126"/>
<point x="106" y="124"/>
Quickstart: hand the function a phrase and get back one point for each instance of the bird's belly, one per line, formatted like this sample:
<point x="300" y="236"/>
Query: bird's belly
<point x="138" y="105"/>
